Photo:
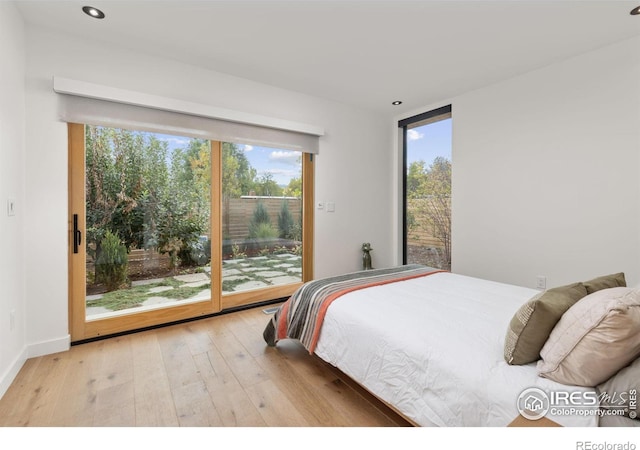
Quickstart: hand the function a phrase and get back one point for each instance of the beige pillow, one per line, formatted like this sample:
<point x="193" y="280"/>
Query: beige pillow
<point x="605" y="282"/>
<point x="616" y="392"/>
<point x="594" y="339"/>
<point x="532" y="323"/>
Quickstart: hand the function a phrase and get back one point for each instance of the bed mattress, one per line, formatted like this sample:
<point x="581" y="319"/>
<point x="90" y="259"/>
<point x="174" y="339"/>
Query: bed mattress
<point x="432" y="347"/>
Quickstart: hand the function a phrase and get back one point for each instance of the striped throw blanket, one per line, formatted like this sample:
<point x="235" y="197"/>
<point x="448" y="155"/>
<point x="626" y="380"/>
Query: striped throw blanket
<point x="301" y="316"/>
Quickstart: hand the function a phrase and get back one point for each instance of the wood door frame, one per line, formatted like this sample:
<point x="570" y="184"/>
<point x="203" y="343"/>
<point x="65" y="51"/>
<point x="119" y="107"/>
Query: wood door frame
<point x="234" y="300"/>
<point x="82" y="329"/>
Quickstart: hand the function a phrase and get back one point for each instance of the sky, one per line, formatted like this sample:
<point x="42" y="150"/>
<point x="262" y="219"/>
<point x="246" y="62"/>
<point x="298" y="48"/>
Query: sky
<point x="282" y="164"/>
<point x="429" y="141"/>
<point x="424" y="143"/>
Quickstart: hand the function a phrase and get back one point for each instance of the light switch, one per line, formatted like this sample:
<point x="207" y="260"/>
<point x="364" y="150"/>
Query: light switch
<point x="11" y="207"/>
<point x="331" y="207"/>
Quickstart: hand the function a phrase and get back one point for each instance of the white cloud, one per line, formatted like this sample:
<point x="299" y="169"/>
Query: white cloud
<point x="286" y="157"/>
<point x="414" y="135"/>
<point x="287" y="173"/>
<point x="247" y="148"/>
<point x="175" y="141"/>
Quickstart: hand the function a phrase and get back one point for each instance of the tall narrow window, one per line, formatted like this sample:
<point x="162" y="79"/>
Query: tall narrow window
<point x="427" y="188"/>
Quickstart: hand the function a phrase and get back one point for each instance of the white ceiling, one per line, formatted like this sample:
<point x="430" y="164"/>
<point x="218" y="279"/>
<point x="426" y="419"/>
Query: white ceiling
<point x="363" y="53"/>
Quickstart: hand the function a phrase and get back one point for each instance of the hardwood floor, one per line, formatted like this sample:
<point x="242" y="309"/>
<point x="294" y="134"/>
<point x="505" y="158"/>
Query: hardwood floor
<point x="214" y="372"/>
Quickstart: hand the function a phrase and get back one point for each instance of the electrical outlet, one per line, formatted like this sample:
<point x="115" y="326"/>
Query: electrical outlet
<point x="541" y="282"/>
<point x="11" y="207"/>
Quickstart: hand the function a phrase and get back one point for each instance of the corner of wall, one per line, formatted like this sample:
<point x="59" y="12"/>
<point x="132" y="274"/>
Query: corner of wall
<point x="12" y="371"/>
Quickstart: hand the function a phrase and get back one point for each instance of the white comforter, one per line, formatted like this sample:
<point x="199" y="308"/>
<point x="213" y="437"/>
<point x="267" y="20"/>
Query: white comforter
<point x="432" y="347"/>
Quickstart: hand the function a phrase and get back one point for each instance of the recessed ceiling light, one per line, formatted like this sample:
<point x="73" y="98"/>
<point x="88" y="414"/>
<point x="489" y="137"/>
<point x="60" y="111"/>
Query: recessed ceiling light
<point x="396" y="103"/>
<point x="635" y="11"/>
<point x="93" y="12"/>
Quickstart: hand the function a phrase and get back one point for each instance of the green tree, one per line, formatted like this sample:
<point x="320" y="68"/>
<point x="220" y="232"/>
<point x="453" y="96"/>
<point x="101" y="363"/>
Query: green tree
<point x="259" y="218"/>
<point x="285" y="222"/>
<point x="238" y="177"/>
<point x="439" y="177"/>
<point x="429" y="194"/>
<point x="153" y="186"/>
<point x="145" y="195"/>
<point x="120" y="165"/>
<point x="416" y="177"/>
<point x="266" y="186"/>
<point x="100" y="186"/>
<point x="115" y="161"/>
<point x="294" y="188"/>
<point x="185" y="210"/>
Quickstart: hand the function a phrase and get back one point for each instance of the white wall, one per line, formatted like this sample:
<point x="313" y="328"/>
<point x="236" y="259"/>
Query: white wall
<point x="12" y="180"/>
<point x="544" y="177"/>
<point x="546" y="172"/>
<point x="352" y="168"/>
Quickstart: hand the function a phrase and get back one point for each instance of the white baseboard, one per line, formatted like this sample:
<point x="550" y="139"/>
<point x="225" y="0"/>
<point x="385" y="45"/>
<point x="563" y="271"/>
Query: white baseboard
<point x="11" y="373"/>
<point x="32" y="351"/>
<point x="51" y="346"/>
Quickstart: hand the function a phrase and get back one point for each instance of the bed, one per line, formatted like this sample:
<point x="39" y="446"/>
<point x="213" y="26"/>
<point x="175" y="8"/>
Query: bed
<point x="426" y="342"/>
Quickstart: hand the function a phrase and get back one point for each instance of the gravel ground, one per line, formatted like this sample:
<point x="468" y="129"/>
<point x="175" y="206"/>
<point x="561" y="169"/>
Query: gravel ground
<point x="429" y="256"/>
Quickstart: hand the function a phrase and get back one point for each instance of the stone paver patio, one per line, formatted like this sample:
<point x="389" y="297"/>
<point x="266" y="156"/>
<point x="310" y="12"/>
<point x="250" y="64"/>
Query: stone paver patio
<point x="237" y="275"/>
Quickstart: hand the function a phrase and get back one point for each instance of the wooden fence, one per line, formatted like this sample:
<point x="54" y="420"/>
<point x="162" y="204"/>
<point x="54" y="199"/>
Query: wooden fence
<point x="237" y="213"/>
<point x="141" y="262"/>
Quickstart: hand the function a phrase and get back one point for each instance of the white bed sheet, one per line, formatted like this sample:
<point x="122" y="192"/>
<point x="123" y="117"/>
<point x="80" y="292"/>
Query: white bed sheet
<point x="432" y="347"/>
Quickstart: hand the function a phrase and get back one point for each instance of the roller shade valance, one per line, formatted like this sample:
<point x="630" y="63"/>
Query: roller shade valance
<point x="88" y="103"/>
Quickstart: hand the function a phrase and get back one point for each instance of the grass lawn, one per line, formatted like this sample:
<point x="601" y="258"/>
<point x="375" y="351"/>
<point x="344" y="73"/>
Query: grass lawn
<point x="246" y="270"/>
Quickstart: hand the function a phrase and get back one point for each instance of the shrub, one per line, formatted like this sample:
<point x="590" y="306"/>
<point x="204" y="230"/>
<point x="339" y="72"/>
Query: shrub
<point x="236" y="253"/>
<point x="260" y="216"/>
<point x="296" y="231"/>
<point x="285" y="222"/>
<point x="112" y="262"/>
<point x="265" y="231"/>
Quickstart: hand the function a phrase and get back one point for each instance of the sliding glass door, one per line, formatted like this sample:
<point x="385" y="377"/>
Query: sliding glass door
<point x="262" y="221"/>
<point x="165" y="227"/>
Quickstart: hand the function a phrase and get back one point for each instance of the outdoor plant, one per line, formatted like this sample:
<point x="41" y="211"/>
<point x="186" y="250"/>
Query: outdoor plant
<point x="265" y="231"/>
<point x="173" y="247"/>
<point x="429" y="204"/>
<point x="178" y="233"/>
<point x="236" y="253"/>
<point x="112" y="262"/>
<point x="296" y="231"/>
<point x="285" y="222"/>
<point x="280" y="249"/>
<point x="259" y="220"/>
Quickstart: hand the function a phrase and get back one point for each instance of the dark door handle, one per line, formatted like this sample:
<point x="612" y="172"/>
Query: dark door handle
<point x="77" y="234"/>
